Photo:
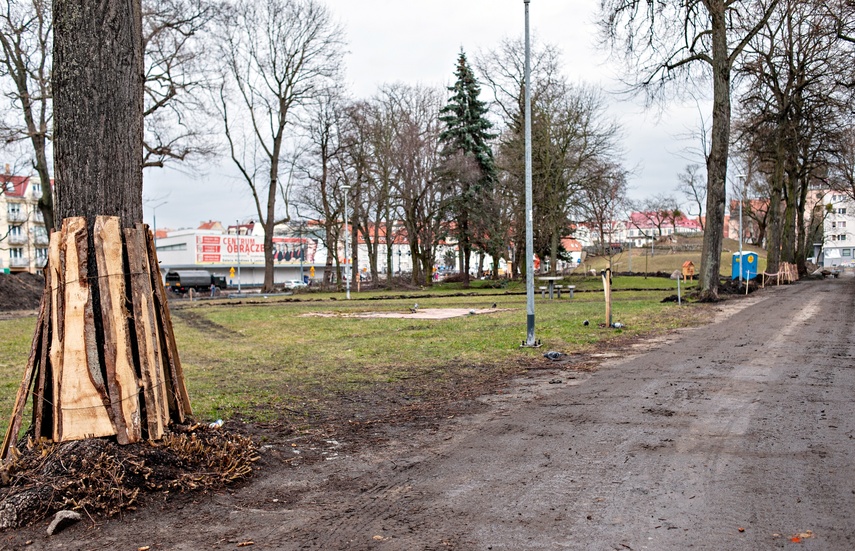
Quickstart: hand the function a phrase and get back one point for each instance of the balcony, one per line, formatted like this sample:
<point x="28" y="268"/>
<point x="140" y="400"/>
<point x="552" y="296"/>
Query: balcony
<point x="17" y="239"/>
<point x="41" y="240"/>
<point x="16" y="216"/>
<point x="21" y="262"/>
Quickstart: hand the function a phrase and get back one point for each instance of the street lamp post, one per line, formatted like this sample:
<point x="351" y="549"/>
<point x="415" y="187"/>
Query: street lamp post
<point x="154" y="220"/>
<point x="741" y="194"/>
<point x="529" y="214"/>
<point x="237" y="246"/>
<point x="302" y="252"/>
<point x="346" y="246"/>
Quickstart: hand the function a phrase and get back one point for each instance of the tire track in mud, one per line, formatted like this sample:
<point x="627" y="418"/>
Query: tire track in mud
<point x="200" y="323"/>
<point x="674" y="449"/>
<point x="744" y="423"/>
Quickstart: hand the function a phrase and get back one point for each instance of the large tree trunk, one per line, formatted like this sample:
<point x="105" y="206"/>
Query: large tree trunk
<point x="773" y="247"/>
<point x="717" y="161"/>
<point x="103" y="360"/>
<point x="98" y="106"/>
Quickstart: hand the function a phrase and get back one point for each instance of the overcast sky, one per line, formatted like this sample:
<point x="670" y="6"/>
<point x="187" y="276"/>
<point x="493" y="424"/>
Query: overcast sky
<point x="418" y="42"/>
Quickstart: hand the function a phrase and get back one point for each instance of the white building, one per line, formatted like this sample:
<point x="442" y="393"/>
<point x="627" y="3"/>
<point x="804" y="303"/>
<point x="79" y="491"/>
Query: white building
<point x="23" y="237"/>
<point x="238" y="254"/>
<point x="838" y="245"/>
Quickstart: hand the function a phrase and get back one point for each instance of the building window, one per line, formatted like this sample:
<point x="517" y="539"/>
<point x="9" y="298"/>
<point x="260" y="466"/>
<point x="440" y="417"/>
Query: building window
<point x="833" y="225"/>
<point x="841" y="211"/>
<point x="16" y="253"/>
<point x="841" y="237"/>
<point x="846" y="252"/>
<point x="841" y="224"/>
<point x="175" y="247"/>
<point x="14" y="209"/>
<point x="41" y="254"/>
<point x="15" y="231"/>
<point x="10" y="187"/>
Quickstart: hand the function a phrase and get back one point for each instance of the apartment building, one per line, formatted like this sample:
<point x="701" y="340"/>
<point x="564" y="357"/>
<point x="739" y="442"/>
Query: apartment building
<point x="838" y="245"/>
<point x="23" y="236"/>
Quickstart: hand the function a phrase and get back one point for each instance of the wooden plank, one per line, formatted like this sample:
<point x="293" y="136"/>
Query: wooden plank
<point x="148" y="339"/>
<point x="607" y="291"/>
<point x="171" y="357"/>
<point x="43" y="417"/>
<point x="55" y="262"/>
<point x="122" y="382"/>
<point x="23" y="391"/>
<point x="44" y="365"/>
<point x="82" y="395"/>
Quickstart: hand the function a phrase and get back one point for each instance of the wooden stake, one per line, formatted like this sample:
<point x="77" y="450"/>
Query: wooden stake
<point x="43" y="417"/>
<point x="81" y="394"/>
<point x="148" y="338"/>
<point x="180" y="400"/>
<point x="55" y="262"/>
<point x="122" y="381"/>
<point x="607" y="291"/>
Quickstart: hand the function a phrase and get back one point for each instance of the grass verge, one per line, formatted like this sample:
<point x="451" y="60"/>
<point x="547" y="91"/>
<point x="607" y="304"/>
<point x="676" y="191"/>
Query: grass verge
<point x="312" y="360"/>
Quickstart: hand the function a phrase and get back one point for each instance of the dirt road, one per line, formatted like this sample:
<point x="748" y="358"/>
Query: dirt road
<point x="736" y="435"/>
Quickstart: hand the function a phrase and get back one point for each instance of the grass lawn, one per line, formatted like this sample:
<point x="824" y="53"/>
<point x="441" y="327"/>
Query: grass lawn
<point x="269" y="360"/>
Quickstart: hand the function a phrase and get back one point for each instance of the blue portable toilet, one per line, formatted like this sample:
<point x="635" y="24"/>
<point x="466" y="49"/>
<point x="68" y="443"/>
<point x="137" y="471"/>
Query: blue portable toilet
<point x="747" y="265"/>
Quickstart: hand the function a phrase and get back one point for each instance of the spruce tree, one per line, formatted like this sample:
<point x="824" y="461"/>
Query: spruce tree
<point x="467" y="161"/>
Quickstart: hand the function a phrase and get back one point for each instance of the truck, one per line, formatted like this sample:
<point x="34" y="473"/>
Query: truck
<point x="181" y="281"/>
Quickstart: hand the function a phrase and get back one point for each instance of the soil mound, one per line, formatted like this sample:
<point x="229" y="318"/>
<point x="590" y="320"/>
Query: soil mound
<point x="21" y="291"/>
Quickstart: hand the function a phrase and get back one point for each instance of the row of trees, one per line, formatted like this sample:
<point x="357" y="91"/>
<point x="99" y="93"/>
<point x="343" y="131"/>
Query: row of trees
<point x="793" y="127"/>
<point x="785" y="64"/>
<point x="441" y="163"/>
<point x="265" y="77"/>
<point x="437" y="165"/>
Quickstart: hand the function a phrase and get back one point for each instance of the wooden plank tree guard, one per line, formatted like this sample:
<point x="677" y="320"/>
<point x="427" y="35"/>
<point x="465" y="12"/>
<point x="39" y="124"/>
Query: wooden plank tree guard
<point x="103" y="360"/>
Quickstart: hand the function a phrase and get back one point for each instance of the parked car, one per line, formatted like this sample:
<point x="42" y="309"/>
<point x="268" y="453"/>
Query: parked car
<point x="294" y="284"/>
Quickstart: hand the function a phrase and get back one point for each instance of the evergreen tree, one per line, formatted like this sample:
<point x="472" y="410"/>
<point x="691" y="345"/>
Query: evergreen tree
<point x="468" y="166"/>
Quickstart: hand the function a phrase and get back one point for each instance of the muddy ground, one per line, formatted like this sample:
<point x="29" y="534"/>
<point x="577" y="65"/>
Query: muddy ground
<point x="736" y="435"/>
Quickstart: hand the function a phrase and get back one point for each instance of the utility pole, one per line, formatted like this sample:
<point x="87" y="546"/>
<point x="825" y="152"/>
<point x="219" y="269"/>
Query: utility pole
<point x="741" y="195"/>
<point x="346" y="247"/>
<point x="529" y="212"/>
<point x="237" y="244"/>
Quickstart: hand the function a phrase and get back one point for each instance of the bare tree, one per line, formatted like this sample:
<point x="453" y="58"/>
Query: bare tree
<point x="370" y="153"/>
<point x="173" y="41"/>
<point x="693" y="187"/>
<point x="277" y="55"/>
<point x="602" y="197"/>
<point x="660" y="210"/>
<point x="569" y="131"/>
<point x="711" y="35"/>
<point x="25" y="66"/>
<point x="319" y="167"/>
<point x="795" y="108"/>
<point x="842" y="176"/>
<point x="99" y="123"/>
<point x="417" y="191"/>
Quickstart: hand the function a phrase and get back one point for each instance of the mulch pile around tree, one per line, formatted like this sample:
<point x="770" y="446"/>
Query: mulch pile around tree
<point x="100" y="479"/>
<point x="20" y="291"/>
